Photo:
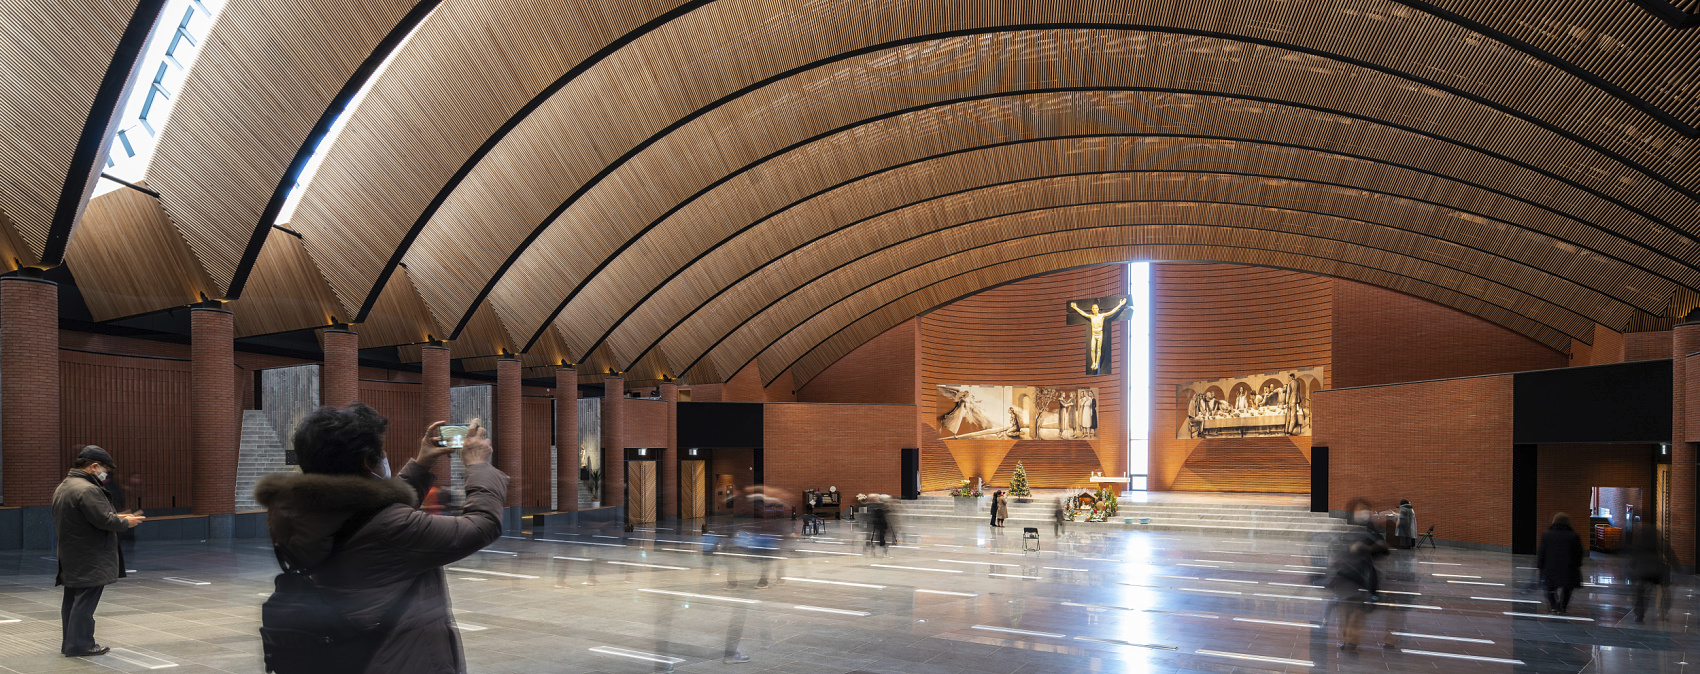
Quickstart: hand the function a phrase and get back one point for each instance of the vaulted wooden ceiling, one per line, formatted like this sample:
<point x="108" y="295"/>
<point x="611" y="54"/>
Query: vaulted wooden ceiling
<point x="684" y="188"/>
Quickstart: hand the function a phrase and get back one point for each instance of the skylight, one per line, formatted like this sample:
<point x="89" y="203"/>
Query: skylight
<point x="176" y="42"/>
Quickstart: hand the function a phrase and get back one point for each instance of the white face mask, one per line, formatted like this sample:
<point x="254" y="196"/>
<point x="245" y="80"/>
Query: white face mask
<point x="383" y="470"/>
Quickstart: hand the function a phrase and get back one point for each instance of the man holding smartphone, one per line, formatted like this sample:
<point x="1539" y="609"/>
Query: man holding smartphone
<point x="88" y="547"/>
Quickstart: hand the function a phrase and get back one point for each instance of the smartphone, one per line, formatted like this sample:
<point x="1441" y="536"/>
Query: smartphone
<point x="454" y="435"/>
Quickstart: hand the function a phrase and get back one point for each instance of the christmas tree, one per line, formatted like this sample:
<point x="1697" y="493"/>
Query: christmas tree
<point x="1018" y="483"/>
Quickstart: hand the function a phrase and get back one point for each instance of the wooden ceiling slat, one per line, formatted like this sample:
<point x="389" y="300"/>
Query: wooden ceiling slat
<point x="264" y="76"/>
<point x="119" y="229"/>
<point x="285" y="291"/>
<point x="55" y="55"/>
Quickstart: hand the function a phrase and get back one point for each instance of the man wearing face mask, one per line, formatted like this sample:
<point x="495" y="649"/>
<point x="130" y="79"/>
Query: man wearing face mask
<point x="88" y="547"/>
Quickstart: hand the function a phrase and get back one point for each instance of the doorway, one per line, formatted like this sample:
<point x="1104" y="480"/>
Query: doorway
<point x="693" y="489"/>
<point x="640" y="485"/>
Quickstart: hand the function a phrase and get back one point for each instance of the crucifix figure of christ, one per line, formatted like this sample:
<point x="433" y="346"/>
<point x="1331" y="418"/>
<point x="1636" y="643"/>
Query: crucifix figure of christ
<point x="1097" y="319"/>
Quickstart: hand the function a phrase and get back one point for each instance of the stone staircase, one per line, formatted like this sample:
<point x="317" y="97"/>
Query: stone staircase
<point x="260" y="453"/>
<point x="1226" y="519"/>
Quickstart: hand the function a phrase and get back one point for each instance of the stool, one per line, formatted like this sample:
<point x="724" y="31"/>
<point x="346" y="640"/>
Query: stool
<point x="1030" y="539"/>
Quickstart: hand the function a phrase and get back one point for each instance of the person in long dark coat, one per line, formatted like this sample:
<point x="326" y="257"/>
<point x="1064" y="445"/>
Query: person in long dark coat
<point x="1000" y="509"/>
<point x="1407" y="530"/>
<point x="87" y="550"/>
<point x="1649" y="566"/>
<point x="398" y="555"/>
<point x="1560" y="560"/>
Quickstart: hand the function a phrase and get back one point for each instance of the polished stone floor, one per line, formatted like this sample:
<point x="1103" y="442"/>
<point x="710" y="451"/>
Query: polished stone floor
<point x="947" y="599"/>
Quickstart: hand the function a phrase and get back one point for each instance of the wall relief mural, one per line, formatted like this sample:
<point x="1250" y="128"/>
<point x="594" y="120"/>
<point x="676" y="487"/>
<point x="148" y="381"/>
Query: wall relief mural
<point x="1252" y="406"/>
<point x="1017" y="412"/>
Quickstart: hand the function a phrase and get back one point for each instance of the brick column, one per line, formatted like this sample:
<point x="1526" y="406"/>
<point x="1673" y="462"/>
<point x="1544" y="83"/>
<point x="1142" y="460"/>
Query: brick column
<point x="613" y="442"/>
<point x="1685" y="339"/>
<point x="212" y="410"/>
<point x="566" y="438"/>
<point x="667" y="474"/>
<point x="339" y="378"/>
<point x="510" y="429"/>
<point x="434" y="398"/>
<point x="30" y="457"/>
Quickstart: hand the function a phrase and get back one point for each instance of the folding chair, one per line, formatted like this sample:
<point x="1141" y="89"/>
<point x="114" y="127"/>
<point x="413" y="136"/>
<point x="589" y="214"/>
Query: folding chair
<point x="1428" y="536"/>
<point x="1030" y="539"/>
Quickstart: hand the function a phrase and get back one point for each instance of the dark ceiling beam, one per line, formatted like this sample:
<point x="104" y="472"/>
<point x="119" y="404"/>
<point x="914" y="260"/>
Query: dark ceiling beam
<point x="280" y="194"/>
<point x="88" y="157"/>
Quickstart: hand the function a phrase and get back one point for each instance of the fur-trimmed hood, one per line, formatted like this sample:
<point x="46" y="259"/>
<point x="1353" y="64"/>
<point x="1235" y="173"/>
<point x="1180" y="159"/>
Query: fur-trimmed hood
<point x="306" y="510"/>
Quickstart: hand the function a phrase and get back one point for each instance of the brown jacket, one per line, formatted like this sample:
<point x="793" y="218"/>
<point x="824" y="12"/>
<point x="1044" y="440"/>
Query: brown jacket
<point x="88" y="532"/>
<point x="401" y="551"/>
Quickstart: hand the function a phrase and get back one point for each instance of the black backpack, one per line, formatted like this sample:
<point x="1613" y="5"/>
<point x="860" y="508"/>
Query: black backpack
<point x="303" y="633"/>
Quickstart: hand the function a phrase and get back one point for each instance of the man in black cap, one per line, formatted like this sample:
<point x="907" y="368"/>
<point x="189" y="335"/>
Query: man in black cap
<point x="88" y="547"/>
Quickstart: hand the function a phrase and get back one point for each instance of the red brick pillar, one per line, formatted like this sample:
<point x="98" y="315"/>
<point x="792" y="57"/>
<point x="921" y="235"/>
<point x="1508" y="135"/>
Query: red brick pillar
<point x="1685" y="339"/>
<point x="510" y="429"/>
<point x="339" y="378"/>
<point x="434" y="398"/>
<point x="212" y="410"/>
<point x="667" y="474"/>
<point x="613" y="442"/>
<point x="566" y="438"/>
<point x="29" y="392"/>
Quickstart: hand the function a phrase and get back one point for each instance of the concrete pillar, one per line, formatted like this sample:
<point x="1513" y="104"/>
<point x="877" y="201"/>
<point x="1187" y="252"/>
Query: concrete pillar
<point x="339" y="379"/>
<point x="566" y="438"/>
<point x="1685" y="339"/>
<point x="667" y="474"/>
<point x="213" y="414"/>
<point x="434" y="398"/>
<point x="613" y="442"/>
<point x="31" y="461"/>
<point x="510" y="429"/>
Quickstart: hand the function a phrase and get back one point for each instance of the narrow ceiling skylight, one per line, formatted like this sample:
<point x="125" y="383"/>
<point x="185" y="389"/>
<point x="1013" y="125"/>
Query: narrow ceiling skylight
<point x="183" y="24"/>
<point x="294" y="199"/>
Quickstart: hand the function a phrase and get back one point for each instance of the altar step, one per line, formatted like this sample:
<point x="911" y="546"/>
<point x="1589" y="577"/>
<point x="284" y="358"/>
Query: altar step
<point x="1236" y="520"/>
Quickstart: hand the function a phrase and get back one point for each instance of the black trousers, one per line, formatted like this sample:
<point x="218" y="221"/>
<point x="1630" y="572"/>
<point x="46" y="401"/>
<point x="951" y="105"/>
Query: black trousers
<point x="76" y="618"/>
<point x="1559" y="597"/>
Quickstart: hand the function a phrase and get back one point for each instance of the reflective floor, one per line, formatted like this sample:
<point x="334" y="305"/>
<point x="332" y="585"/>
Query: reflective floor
<point x="946" y="599"/>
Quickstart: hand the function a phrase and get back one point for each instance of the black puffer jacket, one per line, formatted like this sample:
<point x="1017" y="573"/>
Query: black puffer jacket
<point x="401" y="551"/>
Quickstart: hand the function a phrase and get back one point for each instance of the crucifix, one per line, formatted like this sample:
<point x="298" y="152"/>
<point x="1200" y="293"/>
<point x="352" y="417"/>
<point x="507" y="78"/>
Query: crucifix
<point x="1097" y="358"/>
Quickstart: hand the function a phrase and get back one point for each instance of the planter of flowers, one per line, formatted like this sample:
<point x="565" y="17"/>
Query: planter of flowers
<point x="967" y="499"/>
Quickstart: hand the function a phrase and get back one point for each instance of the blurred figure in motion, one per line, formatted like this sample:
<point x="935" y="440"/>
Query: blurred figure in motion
<point x="1061" y="515"/>
<point x="1353" y="576"/>
<point x="879" y="526"/>
<point x="1649" y="565"/>
<point x="1407" y="531"/>
<point x="1560" y="560"/>
<point x="363" y="588"/>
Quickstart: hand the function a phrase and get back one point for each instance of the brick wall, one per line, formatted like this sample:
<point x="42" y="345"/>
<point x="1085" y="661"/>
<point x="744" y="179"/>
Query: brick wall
<point x="1567" y="474"/>
<point x="29" y="382"/>
<point x="339" y="379"/>
<point x="1016" y="335"/>
<point x="510" y="429"/>
<point x="880" y="371"/>
<point x="1383" y="337"/>
<point x="1445" y="445"/>
<point x="399" y="402"/>
<point x="213" y="411"/>
<point x="856" y="448"/>
<point x="1646" y="346"/>
<point x="566" y="438"/>
<point x="1216" y="320"/>
<point x="132" y="407"/>
<point x="538" y="420"/>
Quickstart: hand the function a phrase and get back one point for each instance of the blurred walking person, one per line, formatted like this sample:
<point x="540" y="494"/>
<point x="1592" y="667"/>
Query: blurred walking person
<point x="1353" y="576"/>
<point x="1649" y="566"/>
<point x="879" y="527"/>
<point x="1061" y="515"/>
<point x="87" y="551"/>
<point x="363" y="588"/>
<point x="1407" y="531"/>
<point x="1560" y="560"/>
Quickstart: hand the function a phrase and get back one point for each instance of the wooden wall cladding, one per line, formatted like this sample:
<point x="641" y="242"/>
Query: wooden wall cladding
<point x="538" y="417"/>
<point x="1049" y="465"/>
<point x="693" y="489"/>
<point x="402" y="404"/>
<point x="265" y="74"/>
<point x="137" y="261"/>
<point x="1015" y="335"/>
<point x="1217" y="320"/>
<point x="1383" y="337"/>
<point x="939" y="469"/>
<point x="134" y="408"/>
<point x="55" y="56"/>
